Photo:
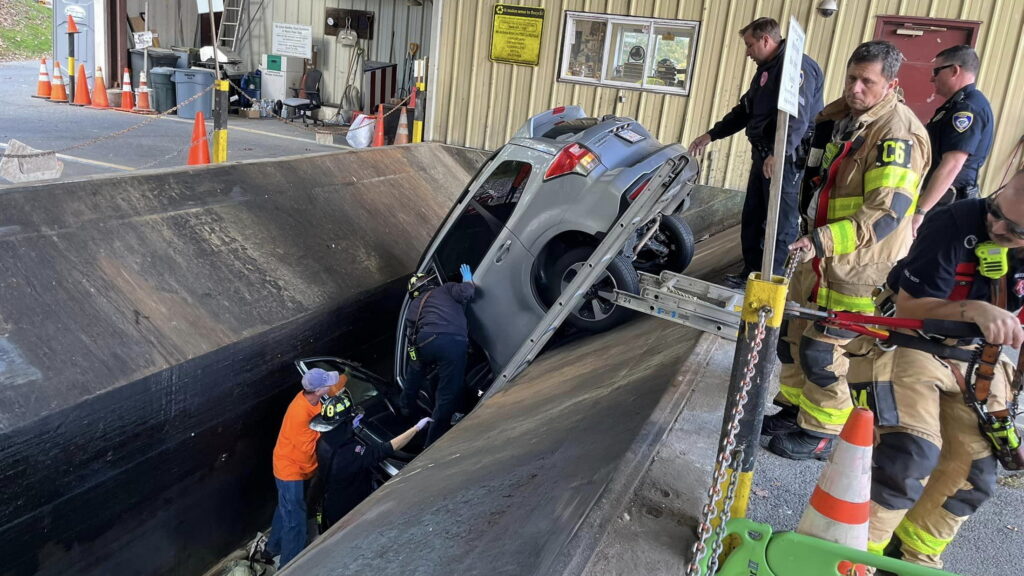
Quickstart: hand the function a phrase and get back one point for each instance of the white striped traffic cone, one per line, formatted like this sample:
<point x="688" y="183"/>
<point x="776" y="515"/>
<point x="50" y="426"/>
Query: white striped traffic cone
<point x="841" y="503"/>
<point x="43" y="89"/>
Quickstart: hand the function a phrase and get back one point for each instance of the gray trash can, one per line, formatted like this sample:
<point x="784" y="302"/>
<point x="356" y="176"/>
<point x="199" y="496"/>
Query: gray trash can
<point x="158" y="57"/>
<point x="162" y="89"/>
<point x="188" y="83"/>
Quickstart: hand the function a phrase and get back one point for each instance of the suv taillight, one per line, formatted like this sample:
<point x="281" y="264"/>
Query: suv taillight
<point x="573" y="159"/>
<point x="639" y="190"/>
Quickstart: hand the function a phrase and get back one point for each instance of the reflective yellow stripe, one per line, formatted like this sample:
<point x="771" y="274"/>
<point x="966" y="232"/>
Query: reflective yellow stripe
<point x="844" y="237"/>
<point x="843" y="207"/>
<point x="916" y="538"/>
<point x="792" y="394"/>
<point x="877" y="548"/>
<point x="833" y="300"/>
<point x="825" y="415"/>
<point x="891" y="177"/>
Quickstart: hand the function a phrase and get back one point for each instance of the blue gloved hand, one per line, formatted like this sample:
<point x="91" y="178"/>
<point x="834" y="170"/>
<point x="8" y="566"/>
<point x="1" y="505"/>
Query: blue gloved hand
<point x="467" y="274"/>
<point x="423" y="423"/>
<point x="356" y="421"/>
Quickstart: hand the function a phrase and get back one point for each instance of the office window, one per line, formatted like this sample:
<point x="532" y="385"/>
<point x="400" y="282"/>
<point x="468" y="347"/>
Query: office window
<point x="627" y="52"/>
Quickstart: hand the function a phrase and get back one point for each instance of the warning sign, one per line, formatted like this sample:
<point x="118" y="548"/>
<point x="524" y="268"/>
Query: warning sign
<point x="516" y="34"/>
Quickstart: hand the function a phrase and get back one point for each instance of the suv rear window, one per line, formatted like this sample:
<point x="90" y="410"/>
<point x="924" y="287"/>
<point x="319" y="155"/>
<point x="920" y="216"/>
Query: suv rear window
<point x="482" y="220"/>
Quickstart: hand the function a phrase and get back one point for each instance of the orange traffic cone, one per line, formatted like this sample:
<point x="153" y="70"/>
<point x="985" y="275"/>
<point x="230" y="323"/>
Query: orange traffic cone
<point x="99" y="91"/>
<point x="72" y="27"/>
<point x="199" y="153"/>
<point x="402" y="134"/>
<point x="142" y="105"/>
<point x="127" y="101"/>
<point x="841" y="503"/>
<point x="57" y="91"/>
<point x="82" y="88"/>
<point x="378" y="127"/>
<point x="43" y="89"/>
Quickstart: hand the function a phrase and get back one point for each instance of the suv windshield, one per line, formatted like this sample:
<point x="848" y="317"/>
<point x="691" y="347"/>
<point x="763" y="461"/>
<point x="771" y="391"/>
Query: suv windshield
<point x="480" y="223"/>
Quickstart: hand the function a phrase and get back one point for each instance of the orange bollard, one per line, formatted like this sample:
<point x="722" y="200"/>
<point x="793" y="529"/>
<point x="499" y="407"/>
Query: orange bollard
<point x="142" y="105"/>
<point x="99" y="91"/>
<point x="82" y="88"/>
<point x="378" y="127"/>
<point x="402" y="134"/>
<point x="199" y="152"/>
<point x="43" y="89"/>
<point x="57" y="91"/>
<point x="127" y="101"/>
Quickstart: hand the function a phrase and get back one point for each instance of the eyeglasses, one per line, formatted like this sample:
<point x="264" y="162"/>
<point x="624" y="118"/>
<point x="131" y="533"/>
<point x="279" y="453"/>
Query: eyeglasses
<point x="937" y="69"/>
<point x="993" y="209"/>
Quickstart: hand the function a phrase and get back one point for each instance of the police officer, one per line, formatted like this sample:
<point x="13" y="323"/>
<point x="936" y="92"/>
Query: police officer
<point x="956" y="264"/>
<point x="436" y="330"/>
<point x="860" y="214"/>
<point x="757" y="112"/>
<point x="960" y="131"/>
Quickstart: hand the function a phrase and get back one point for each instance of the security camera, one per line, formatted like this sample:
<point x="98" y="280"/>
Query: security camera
<point x="827" y="8"/>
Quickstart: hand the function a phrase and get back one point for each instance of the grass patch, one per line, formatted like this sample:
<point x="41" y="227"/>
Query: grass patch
<point x="26" y="30"/>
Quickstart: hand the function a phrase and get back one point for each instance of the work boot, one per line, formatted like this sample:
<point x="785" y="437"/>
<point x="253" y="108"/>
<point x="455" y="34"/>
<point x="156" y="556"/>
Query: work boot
<point x="801" y="445"/>
<point x="782" y="422"/>
<point x="736" y="281"/>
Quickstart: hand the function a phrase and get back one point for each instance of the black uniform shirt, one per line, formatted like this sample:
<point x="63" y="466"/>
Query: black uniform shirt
<point x="445" y="309"/>
<point x="947" y="238"/>
<point x="350" y="479"/>
<point x="963" y="123"/>
<point x="758" y="108"/>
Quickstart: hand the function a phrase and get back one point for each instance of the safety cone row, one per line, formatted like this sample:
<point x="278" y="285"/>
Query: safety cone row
<point x="43" y="89"/>
<point x="57" y="91"/>
<point x="402" y="134"/>
<point x="142" y="100"/>
<point x="841" y="503"/>
<point x="99" y="91"/>
<point x="378" y="127"/>
<point x="127" y="101"/>
<point x="199" y="152"/>
<point x="82" y="88"/>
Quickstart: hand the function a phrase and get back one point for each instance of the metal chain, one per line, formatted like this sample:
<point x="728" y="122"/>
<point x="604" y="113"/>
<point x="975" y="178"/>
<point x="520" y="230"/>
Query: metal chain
<point x="728" y="452"/>
<point x="288" y="121"/>
<point x="149" y="120"/>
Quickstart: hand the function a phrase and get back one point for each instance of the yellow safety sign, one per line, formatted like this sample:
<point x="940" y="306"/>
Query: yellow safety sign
<point x="516" y="34"/>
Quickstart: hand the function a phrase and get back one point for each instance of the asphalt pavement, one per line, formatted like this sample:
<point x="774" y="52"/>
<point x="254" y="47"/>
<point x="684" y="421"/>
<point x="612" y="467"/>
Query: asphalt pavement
<point x="90" y="141"/>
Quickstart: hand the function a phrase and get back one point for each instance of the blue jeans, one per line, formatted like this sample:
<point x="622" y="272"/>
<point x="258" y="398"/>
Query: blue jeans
<point x="288" y="530"/>
<point x="448" y="353"/>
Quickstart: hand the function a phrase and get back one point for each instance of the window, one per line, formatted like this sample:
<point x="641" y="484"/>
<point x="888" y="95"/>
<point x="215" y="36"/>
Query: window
<point x="484" y="217"/>
<point x="626" y="52"/>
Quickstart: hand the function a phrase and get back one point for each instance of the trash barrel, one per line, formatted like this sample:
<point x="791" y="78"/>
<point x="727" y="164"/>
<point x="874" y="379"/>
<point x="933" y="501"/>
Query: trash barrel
<point x="158" y="57"/>
<point x="188" y="83"/>
<point x="162" y="89"/>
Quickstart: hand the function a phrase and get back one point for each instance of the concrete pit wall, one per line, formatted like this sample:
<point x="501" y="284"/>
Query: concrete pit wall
<point x="148" y="325"/>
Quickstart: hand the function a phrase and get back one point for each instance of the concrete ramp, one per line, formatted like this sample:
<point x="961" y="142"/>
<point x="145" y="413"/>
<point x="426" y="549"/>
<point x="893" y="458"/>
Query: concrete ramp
<point x="147" y="328"/>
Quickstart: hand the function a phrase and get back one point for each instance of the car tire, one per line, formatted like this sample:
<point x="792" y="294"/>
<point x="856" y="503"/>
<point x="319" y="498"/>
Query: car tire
<point x="598" y="311"/>
<point x="674" y="233"/>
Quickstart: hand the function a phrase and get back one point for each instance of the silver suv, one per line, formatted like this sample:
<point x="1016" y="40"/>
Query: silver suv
<point x="533" y="214"/>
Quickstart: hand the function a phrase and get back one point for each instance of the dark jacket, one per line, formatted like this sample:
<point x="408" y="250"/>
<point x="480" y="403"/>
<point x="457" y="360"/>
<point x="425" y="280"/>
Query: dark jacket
<point x="445" y="309"/>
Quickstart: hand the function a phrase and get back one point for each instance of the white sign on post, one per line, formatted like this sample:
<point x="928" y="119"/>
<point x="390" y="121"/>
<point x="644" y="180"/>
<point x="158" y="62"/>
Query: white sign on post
<point x="293" y="40"/>
<point x="204" y="6"/>
<point x="789" y="88"/>
<point x="143" y="39"/>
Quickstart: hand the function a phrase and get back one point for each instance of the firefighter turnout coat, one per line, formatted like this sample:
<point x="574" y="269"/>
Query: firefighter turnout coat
<point x="867" y="188"/>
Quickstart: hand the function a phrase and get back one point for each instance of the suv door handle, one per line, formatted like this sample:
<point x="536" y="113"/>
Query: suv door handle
<point x="503" y="251"/>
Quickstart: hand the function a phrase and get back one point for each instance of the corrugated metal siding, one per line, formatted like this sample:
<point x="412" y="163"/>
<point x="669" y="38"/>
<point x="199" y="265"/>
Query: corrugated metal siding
<point x="482" y="103"/>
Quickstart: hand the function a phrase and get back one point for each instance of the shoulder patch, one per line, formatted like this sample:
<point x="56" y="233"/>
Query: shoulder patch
<point x="962" y="121"/>
<point x="894" y="152"/>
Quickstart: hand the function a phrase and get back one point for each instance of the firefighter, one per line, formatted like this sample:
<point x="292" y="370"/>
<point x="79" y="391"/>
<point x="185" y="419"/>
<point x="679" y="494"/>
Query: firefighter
<point x="438" y="336"/>
<point x="960" y="131"/>
<point x="757" y="112"/>
<point x="860" y="226"/>
<point x="956" y="265"/>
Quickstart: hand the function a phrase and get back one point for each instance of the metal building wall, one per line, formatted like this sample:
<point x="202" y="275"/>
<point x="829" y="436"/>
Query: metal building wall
<point x="481" y="103"/>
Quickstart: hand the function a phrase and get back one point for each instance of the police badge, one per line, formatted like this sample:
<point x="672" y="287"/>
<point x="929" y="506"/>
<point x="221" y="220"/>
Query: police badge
<point x="962" y="121"/>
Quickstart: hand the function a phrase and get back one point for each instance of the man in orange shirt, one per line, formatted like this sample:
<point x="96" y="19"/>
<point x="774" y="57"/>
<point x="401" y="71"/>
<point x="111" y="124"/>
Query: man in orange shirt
<point x="295" y="463"/>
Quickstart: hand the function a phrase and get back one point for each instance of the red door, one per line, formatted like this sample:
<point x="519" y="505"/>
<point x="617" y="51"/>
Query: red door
<point x="920" y="39"/>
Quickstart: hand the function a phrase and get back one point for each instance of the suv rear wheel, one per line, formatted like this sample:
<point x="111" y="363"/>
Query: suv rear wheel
<point x="598" y="311"/>
<point x="671" y="248"/>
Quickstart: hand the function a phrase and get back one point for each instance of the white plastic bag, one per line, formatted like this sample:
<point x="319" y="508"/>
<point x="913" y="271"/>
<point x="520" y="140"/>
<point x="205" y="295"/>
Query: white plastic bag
<point x="360" y="133"/>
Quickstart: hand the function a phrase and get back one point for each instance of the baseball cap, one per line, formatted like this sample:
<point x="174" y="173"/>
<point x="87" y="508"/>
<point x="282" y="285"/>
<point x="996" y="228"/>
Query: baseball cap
<point x="317" y="379"/>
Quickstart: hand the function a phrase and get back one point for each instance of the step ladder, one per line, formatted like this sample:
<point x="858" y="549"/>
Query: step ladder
<point x="230" y="24"/>
<point x="688" y="301"/>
